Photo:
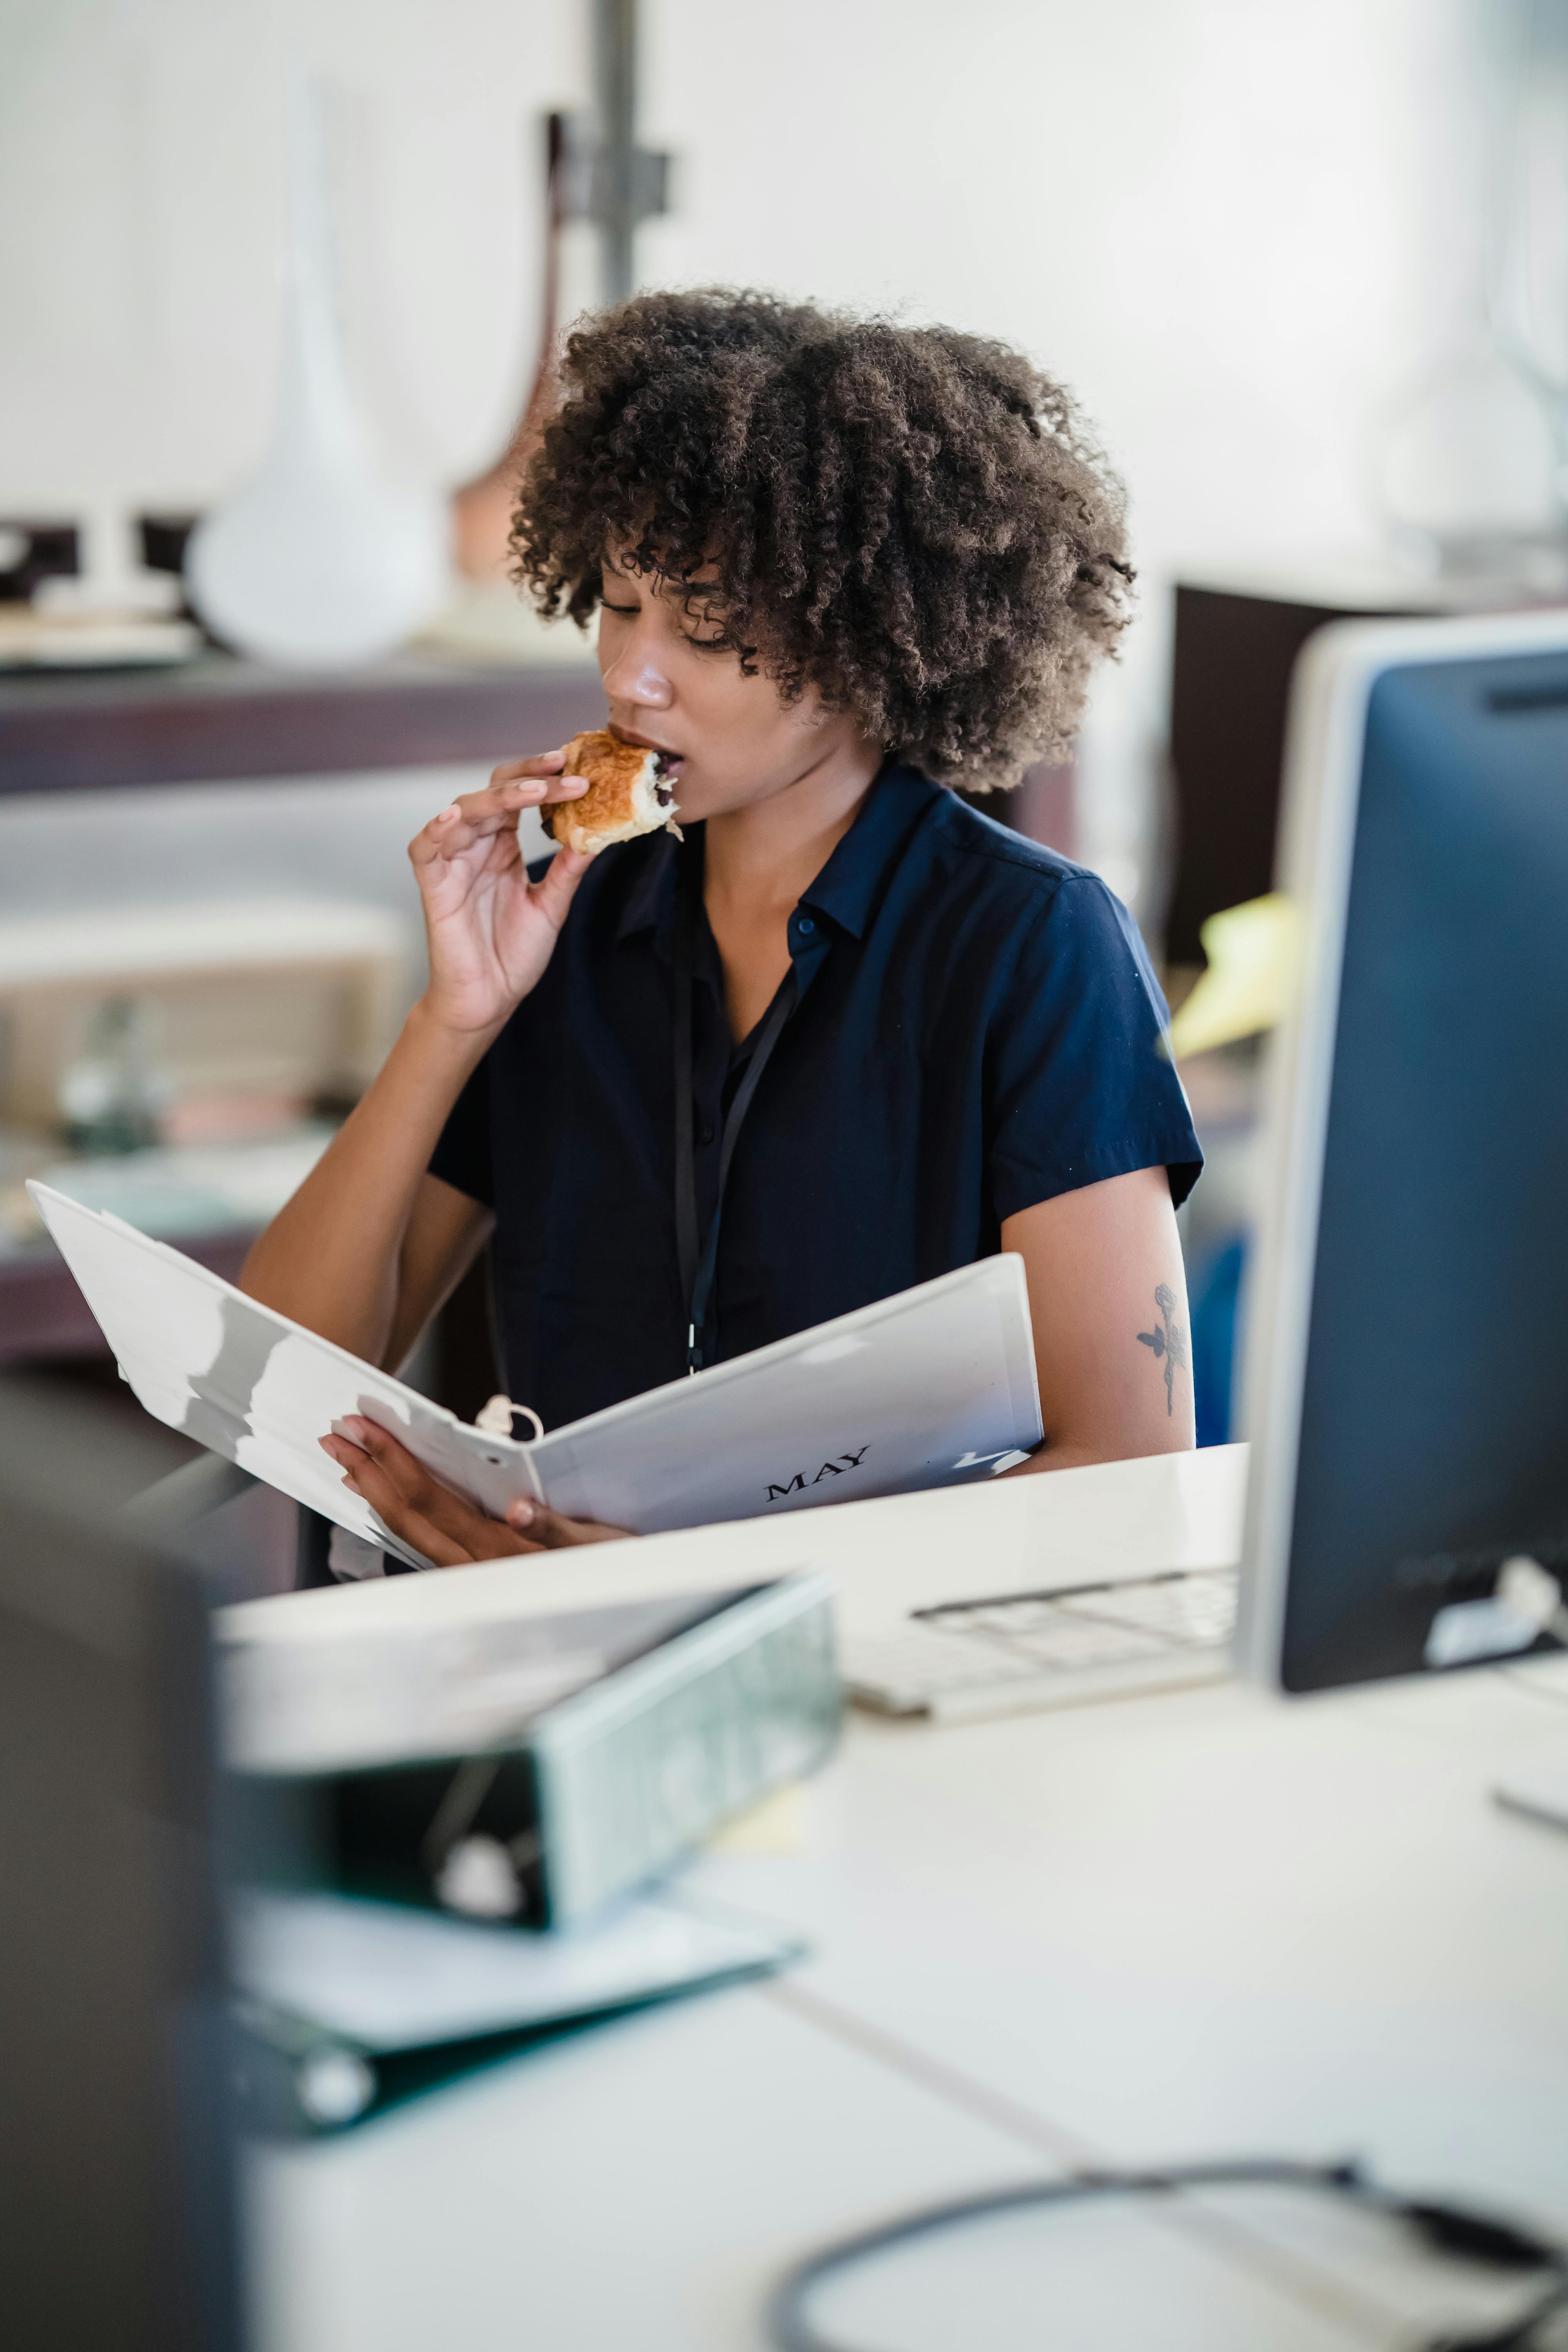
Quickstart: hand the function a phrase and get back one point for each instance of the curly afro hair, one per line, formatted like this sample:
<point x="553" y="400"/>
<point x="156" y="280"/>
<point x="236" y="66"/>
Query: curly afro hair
<point x="914" y="522"/>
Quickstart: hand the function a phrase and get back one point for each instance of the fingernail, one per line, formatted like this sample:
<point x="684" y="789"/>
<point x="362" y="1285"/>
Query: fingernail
<point x="349" y="1484"/>
<point x="448" y="814"/>
<point x="520" y="1513"/>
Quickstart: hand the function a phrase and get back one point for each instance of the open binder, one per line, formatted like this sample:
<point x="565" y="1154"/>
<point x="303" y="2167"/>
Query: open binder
<point x="346" y="2008"/>
<point x="927" y="1388"/>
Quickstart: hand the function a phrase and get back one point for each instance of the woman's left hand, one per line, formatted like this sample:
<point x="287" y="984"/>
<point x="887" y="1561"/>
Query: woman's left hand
<point x="429" y="1517"/>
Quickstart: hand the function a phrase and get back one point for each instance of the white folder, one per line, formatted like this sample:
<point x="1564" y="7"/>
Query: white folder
<point x="927" y="1388"/>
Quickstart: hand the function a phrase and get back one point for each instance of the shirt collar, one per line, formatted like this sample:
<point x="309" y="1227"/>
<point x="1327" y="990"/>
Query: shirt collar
<point x="849" y="885"/>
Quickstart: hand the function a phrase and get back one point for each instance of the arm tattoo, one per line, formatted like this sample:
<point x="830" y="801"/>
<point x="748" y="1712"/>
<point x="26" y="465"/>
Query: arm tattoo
<point x="1167" y="1341"/>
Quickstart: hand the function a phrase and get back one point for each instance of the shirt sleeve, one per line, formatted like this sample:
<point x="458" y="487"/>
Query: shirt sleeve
<point x="1081" y="1083"/>
<point x="462" y="1153"/>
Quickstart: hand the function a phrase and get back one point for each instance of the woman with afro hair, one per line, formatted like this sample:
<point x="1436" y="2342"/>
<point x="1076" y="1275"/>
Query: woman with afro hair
<point x="838" y="566"/>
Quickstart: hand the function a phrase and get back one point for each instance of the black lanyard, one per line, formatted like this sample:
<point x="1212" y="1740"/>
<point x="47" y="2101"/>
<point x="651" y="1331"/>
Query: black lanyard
<point x="698" y="1264"/>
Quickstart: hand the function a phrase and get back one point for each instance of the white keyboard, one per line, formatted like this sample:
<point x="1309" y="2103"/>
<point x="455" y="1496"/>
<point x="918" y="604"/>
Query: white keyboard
<point x="1050" y="1649"/>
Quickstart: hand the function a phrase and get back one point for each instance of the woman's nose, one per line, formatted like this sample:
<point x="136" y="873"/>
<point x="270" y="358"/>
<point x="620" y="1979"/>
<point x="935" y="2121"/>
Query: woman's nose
<point x="637" y="676"/>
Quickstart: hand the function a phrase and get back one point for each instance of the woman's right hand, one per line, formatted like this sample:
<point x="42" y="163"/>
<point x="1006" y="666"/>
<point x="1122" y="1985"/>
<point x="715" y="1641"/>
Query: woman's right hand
<point x="419" y="1507"/>
<point x="490" y="931"/>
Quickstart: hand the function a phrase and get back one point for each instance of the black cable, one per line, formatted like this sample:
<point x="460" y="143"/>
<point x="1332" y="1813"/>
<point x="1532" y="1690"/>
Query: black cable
<point x="1448" y="2229"/>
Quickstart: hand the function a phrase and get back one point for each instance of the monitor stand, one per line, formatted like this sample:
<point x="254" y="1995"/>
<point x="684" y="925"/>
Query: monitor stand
<point x="1534" y="1599"/>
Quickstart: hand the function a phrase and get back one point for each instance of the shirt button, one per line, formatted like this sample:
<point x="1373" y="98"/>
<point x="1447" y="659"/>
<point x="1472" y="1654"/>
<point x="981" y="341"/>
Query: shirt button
<point x="804" y="925"/>
<point x="705" y="1134"/>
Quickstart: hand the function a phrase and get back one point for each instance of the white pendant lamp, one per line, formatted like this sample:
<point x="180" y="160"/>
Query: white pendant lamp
<point x="318" y="562"/>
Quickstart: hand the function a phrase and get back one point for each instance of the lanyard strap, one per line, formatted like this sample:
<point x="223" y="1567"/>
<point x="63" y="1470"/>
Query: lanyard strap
<point x="698" y="1266"/>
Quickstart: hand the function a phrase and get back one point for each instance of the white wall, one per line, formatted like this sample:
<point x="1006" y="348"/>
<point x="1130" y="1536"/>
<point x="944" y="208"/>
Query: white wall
<point x="141" y="198"/>
<point x="1235" y="225"/>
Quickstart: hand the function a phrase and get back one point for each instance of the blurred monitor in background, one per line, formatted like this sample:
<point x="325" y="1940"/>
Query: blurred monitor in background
<point x="1409" y="1327"/>
<point x="116" y="2163"/>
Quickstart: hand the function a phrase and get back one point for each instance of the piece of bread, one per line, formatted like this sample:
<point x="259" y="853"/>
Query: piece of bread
<point x="628" y="792"/>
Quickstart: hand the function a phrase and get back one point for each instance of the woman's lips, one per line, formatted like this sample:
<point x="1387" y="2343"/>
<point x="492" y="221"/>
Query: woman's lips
<point x="671" y="759"/>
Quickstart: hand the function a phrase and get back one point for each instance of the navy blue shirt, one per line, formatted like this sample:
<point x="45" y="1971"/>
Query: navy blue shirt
<point x="977" y="1028"/>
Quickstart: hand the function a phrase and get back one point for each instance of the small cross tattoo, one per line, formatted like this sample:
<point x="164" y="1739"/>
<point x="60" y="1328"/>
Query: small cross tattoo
<point x="1167" y="1341"/>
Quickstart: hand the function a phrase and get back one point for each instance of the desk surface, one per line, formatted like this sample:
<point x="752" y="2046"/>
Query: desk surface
<point x="1205" y="1923"/>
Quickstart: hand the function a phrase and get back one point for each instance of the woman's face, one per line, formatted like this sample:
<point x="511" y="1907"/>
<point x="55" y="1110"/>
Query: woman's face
<point x="674" y="684"/>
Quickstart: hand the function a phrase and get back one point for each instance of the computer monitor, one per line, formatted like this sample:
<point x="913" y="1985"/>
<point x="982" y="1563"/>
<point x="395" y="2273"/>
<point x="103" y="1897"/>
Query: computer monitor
<point x="117" y="2168"/>
<point x="1406" y="1368"/>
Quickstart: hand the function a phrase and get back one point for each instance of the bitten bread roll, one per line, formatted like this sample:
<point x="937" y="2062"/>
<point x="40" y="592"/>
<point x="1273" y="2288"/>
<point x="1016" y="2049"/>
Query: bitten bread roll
<point x="628" y="792"/>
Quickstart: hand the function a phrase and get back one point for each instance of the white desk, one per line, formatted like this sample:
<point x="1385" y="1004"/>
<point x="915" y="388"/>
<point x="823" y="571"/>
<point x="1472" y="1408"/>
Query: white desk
<point x="1207" y="1923"/>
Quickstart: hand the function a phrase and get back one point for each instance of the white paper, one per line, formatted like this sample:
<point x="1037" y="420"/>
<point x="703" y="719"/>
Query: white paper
<point x="390" y="1978"/>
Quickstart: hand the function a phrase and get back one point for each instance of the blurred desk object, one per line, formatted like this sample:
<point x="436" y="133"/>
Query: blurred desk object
<point x="220" y="718"/>
<point x="1236" y="639"/>
<point x="257" y="1000"/>
<point x="1184" y="1926"/>
<point x="255" y="1012"/>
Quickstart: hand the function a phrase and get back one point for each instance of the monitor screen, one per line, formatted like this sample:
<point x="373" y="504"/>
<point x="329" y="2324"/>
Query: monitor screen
<point x="1430" y="1339"/>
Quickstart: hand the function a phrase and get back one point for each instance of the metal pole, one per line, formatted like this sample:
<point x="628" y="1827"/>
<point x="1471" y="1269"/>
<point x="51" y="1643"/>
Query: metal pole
<point x="615" y="78"/>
